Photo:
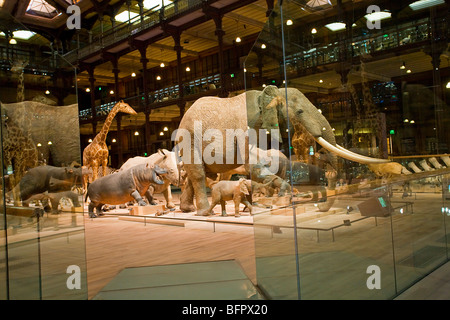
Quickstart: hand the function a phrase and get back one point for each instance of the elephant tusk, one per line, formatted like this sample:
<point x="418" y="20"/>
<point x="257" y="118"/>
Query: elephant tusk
<point x="360" y="155"/>
<point x="344" y="153"/>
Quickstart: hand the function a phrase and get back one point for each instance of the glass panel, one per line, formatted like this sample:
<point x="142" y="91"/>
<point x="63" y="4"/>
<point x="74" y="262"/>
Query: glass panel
<point x="275" y="248"/>
<point x="43" y="250"/>
<point x="420" y="242"/>
<point x="353" y="89"/>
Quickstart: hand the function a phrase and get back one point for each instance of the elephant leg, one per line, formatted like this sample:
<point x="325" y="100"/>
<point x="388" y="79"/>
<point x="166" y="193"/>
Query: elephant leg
<point x="223" y="205"/>
<point x="135" y="194"/>
<point x="249" y="206"/>
<point x="187" y="197"/>
<point x="237" y="202"/>
<point x="168" y="196"/>
<point x="197" y="177"/>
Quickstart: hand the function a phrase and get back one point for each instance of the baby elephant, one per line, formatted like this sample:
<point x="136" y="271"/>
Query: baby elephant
<point x="238" y="191"/>
<point x="123" y="186"/>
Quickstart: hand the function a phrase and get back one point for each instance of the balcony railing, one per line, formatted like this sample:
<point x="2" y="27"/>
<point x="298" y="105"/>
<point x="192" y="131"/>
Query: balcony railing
<point x="122" y="31"/>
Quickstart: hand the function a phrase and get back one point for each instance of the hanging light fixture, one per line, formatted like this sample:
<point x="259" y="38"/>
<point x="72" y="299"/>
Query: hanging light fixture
<point x="113" y="140"/>
<point x="289" y="22"/>
<point x="166" y="129"/>
<point x="136" y="133"/>
<point x="313" y="30"/>
<point x="111" y="92"/>
<point x="238" y="39"/>
<point x="133" y="74"/>
<point x="188" y="69"/>
<point x="162" y="65"/>
<point x="263" y="46"/>
<point x="47" y="91"/>
<point x="161" y="133"/>
<point x="12" y="41"/>
<point x="88" y="90"/>
<point x="158" y="77"/>
<point x="403" y="66"/>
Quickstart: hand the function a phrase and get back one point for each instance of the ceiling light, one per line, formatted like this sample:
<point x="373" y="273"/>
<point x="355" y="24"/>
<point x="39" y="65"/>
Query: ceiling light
<point x="90" y="140"/>
<point x="336" y="26"/>
<point x="188" y="69"/>
<point x="113" y="140"/>
<point x="155" y="4"/>
<point x="376" y="16"/>
<point x="412" y="121"/>
<point x="49" y="142"/>
<point x="448" y="85"/>
<point x="320" y="81"/>
<point x="23" y="34"/>
<point x="125" y="16"/>
<point x="406" y="120"/>
<point x="422" y="4"/>
<point x="39" y="144"/>
<point x="162" y="65"/>
<point x="403" y="66"/>
<point x="47" y="91"/>
<point x="136" y="133"/>
<point x="12" y="41"/>
<point x="161" y="133"/>
<point x="313" y="30"/>
<point x="408" y="71"/>
<point x="238" y="39"/>
<point x="88" y="90"/>
<point x="263" y="46"/>
<point x="133" y="74"/>
<point x="166" y="129"/>
<point x="158" y="78"/>
<point x="111" y="92"/>
<point x="289" y="22"/>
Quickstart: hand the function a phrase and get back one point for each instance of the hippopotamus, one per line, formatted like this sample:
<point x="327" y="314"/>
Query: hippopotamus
<point x="123" y="186"/>
<point x="41" y="179"/>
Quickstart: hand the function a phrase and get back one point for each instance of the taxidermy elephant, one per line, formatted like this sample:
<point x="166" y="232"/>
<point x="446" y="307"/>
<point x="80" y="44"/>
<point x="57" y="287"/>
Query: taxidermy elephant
<point x="165" y="160"/>
<point x="124" y="186"/>
<point x="41" y="179"/>
<point x="254" y="109"/>
<point x="264" y="157"/>
<point x="238" y="191"/>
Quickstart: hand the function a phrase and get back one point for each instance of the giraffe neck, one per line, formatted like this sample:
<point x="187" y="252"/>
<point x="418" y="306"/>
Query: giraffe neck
<point x="101" y="137"/>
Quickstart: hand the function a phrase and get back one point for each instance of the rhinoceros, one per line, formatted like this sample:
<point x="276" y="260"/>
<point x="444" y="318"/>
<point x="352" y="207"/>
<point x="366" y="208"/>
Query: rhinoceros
<point x="124" y="186"/>
<point x="166" y="160"/>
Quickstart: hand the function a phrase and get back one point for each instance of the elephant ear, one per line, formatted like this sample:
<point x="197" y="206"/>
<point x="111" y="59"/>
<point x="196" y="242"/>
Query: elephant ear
<point x="269" y="100"/>
<point x="243" y="187"/>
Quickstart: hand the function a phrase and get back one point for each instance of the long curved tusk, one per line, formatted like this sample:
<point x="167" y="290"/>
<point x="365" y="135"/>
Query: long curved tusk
<point x="344" y="153"/>
<point x="358" y="155"/>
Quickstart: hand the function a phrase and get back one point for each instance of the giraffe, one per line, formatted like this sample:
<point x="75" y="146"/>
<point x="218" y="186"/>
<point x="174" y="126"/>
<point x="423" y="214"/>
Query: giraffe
<point x="96" y="153"/>
<point x="19" y="67"/>
<point x="19" y="150"/>
<point x="301" y="142"/>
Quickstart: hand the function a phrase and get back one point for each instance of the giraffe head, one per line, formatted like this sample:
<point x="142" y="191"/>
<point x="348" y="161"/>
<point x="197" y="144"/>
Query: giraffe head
<point x="124" y="107"/>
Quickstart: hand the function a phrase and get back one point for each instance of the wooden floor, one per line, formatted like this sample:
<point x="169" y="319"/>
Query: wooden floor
<point x="112" y="245"/>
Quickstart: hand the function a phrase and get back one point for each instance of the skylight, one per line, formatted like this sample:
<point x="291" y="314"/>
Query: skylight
<point x="123" y="16"/>
<point x="41" y="8"/>
<point x="422" y="4"/>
